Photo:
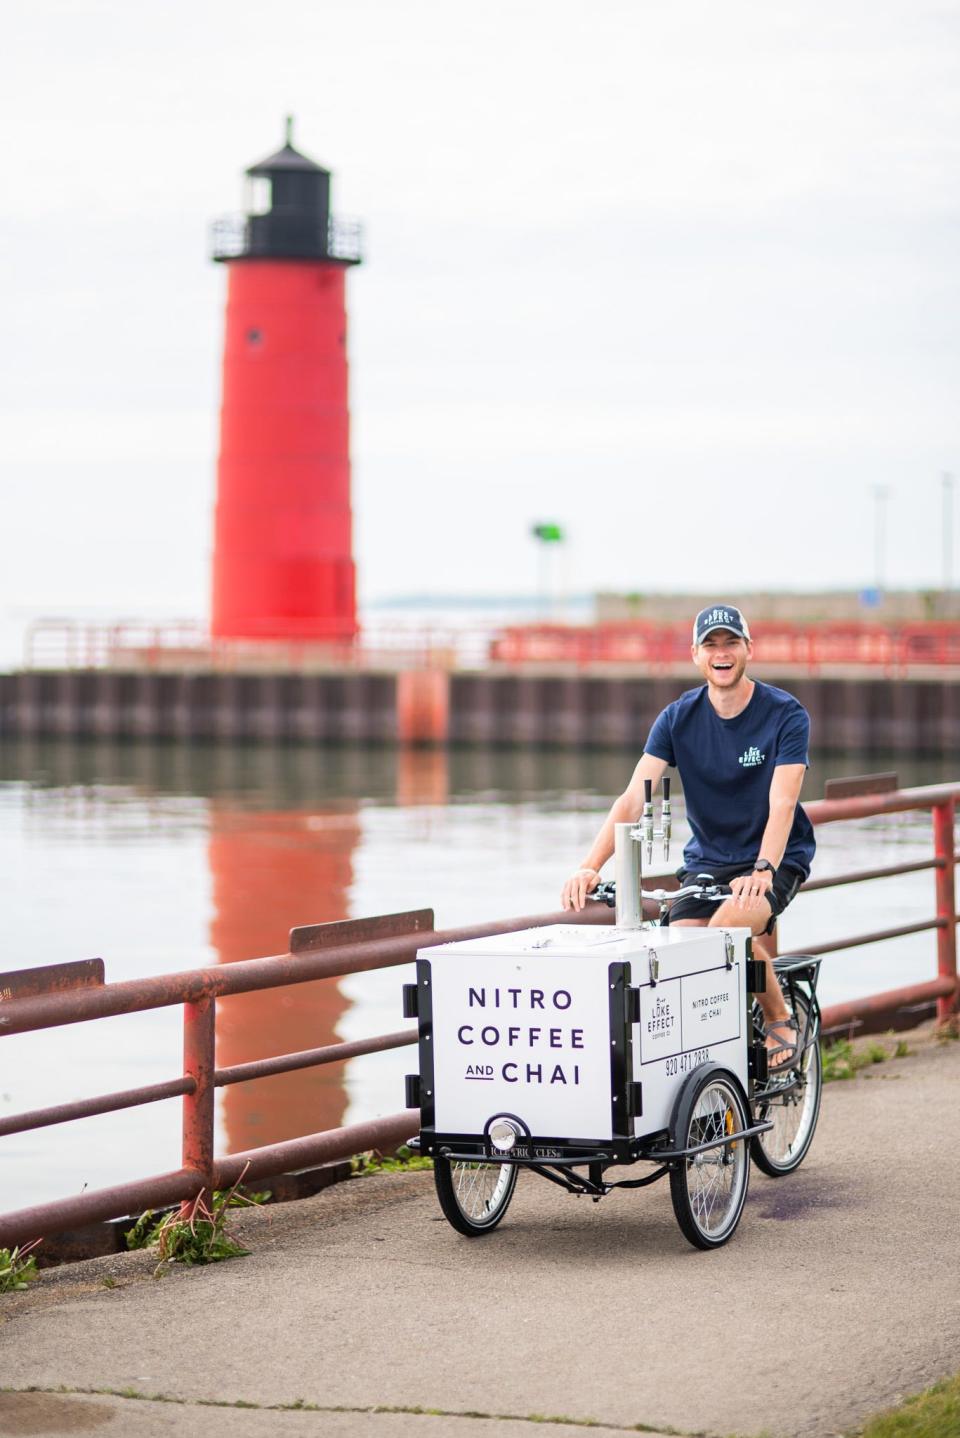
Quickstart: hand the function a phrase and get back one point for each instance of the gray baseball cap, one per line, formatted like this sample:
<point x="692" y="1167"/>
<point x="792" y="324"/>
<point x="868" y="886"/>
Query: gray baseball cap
<point x="719" y="616"/>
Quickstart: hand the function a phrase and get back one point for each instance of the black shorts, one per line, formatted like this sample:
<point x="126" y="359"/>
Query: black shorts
<point x="786" y="882"/>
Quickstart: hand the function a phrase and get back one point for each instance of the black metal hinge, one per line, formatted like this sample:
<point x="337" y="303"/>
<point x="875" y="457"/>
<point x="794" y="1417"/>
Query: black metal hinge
<point x="635" y="1099"/>
<point x="411" y="1008"/>
<point x="633" y="1006"/>
<point x="756" y="976"/>
<point x="412" y="1086"/>
<point x="757" y="1062"/>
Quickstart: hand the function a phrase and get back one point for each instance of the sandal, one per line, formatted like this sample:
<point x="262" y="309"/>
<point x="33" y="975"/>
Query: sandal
<point x="787" y="1052"/>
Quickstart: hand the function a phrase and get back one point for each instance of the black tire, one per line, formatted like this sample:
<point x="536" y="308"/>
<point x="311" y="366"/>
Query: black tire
<point x="709" y="1189"/>
<point x="783" y="1148"/>
<point x="474" y="1196"/>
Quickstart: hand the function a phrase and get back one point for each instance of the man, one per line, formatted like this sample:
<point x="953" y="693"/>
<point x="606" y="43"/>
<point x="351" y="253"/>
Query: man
<point x="740" y="747"/>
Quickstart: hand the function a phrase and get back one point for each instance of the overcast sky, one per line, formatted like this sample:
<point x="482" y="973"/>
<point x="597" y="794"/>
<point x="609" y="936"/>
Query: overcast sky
<point x="680" y="276"/>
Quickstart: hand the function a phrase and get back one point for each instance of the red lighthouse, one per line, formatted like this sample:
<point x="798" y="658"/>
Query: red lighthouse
<point x="283" y="558"/>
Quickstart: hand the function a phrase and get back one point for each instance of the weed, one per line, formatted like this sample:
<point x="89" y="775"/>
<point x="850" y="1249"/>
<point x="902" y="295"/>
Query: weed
<point x="147" y="1229"/>
<point x="200" y="1235"/>
<point x="403" y="1161"/>
<point x="108" y="1282"/>
<point x="838" y="1061"/>
<point x="17" y="1267"/>
<point x="144" y="1231"/>
<point x="841" y="1060"/>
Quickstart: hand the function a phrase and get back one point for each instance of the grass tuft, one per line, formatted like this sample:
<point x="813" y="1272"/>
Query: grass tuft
<point x="844" y="1059"/>
<point x="18" y="1267"/>
<point x="403" y="1161"/>
<point x="932" y="1414"/>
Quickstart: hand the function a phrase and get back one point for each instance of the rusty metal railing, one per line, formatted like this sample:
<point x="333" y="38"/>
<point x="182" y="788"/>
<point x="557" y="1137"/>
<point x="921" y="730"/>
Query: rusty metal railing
<point x="941" y="801"/>
<point x="334" y="950"/>
<point x="322" y="951"/>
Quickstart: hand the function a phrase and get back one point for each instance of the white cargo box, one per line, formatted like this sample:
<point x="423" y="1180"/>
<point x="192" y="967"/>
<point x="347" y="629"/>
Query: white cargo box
<point x="583" y="1033"/>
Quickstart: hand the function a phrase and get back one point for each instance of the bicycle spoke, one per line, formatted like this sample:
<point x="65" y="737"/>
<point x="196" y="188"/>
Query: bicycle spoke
<point x="713" y="1177"/>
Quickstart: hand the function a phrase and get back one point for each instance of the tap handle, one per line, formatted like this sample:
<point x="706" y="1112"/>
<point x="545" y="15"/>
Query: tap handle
<point x="647" y="825"/>
<point x="666" y="822"/>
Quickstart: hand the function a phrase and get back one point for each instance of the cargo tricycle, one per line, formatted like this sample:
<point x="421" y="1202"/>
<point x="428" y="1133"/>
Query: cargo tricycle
<point x="575" y="1051"/>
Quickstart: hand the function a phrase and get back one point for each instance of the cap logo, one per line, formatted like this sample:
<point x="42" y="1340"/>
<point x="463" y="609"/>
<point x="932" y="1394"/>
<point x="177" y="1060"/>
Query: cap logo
<point x="721" y="616"/>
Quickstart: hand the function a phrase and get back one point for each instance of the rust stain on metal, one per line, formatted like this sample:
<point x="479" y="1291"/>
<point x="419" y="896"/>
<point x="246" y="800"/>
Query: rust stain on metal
<point x="861" y="784"/>
<point x="51" y="978"/>
<point x="358" y="931"/>
<point x="872" y="1014"/>
<point x="65" y="1213"/>
<point x="102" y="1103"/>
<point x="310" y="1058"/>
<point x="383" y="1134"/>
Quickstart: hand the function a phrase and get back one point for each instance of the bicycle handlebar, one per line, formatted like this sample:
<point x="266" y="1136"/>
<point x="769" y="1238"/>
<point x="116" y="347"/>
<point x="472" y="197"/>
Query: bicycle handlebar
<point x="711" y="891"/>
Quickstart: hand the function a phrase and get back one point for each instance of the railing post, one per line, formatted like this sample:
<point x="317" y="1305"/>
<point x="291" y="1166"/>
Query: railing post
<point x="943" y="843"/>
<point x="199" y="1030"/>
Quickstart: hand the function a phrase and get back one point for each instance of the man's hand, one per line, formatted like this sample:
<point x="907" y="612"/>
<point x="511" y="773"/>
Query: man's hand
<point x="577" y="887"/>
<point x="746" y="889"/>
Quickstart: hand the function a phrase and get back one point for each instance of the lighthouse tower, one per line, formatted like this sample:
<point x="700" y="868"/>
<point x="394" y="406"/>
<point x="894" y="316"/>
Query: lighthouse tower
<point x="283" y="561"/>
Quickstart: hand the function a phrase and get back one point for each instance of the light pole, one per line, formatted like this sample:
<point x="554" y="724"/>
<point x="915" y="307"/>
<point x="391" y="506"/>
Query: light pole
<point x="546" y="535"/>
<point x="947" y="534"/>
<point x="881" y="493"/>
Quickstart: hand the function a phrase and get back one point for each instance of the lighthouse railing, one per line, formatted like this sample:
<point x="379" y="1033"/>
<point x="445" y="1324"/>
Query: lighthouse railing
<point x="231" y="238"/>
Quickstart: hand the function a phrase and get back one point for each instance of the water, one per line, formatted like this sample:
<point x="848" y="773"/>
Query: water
<point x="159" y="857"/>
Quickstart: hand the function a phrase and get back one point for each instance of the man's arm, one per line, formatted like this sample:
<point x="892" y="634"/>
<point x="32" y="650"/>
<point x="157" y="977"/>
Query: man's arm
<point x="626" y="809"/>
<point x="784" y="794"/>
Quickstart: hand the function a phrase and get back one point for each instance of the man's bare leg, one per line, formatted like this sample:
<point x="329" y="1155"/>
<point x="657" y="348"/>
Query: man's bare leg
<point x="756" y="917"/>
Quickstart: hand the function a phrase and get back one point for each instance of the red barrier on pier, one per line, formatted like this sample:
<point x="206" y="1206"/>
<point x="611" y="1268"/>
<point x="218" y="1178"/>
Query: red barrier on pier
<point x="893" y="648"/>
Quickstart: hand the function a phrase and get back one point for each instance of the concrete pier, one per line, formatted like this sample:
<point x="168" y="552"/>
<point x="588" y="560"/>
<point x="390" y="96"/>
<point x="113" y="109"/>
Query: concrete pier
<point x="917" y="715"/>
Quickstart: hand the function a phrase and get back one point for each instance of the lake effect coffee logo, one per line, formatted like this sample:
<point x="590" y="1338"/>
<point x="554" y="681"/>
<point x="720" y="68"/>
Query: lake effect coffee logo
<point x="531" y="1038"/>
<point x="659" y="1021"/>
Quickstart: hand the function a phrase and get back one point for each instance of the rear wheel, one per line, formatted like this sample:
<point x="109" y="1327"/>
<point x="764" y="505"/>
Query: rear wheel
<point x="793" y="1113"/>
<point x="709" y="1188"/>
<point x="474" y="1196"/>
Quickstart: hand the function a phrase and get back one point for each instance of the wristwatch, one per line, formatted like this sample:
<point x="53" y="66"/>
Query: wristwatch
<point x="764" y="866"/>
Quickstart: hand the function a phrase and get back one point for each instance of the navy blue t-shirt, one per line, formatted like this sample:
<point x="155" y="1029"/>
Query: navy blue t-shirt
<point x="726" y="766"/>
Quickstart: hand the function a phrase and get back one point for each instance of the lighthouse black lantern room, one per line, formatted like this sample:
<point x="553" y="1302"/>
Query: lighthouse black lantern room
<point x="283" y="555"/>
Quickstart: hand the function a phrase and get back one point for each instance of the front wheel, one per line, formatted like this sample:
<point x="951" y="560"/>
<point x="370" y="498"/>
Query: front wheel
<point x="709" y="1188"/>
<point x="474" y="1196"/>
<point x="793" y="1113"/>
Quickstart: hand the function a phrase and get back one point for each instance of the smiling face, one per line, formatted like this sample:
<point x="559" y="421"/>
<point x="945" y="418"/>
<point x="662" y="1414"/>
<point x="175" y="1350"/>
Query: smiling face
<point x="722" y="658"/>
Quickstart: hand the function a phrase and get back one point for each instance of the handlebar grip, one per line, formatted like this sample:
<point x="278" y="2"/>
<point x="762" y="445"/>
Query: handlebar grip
<point x="648" y="791"/>
<point x="666" y="787"/>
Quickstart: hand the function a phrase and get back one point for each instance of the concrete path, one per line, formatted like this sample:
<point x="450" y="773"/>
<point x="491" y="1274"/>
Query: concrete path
<point x="839" y="1294"/>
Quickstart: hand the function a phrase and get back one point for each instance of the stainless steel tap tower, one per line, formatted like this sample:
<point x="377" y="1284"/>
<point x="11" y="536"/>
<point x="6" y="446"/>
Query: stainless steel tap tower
<point x="629" y="842"/>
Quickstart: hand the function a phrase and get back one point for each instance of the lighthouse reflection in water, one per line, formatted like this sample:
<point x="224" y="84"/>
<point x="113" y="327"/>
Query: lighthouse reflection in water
<point x="271" y="872"/>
